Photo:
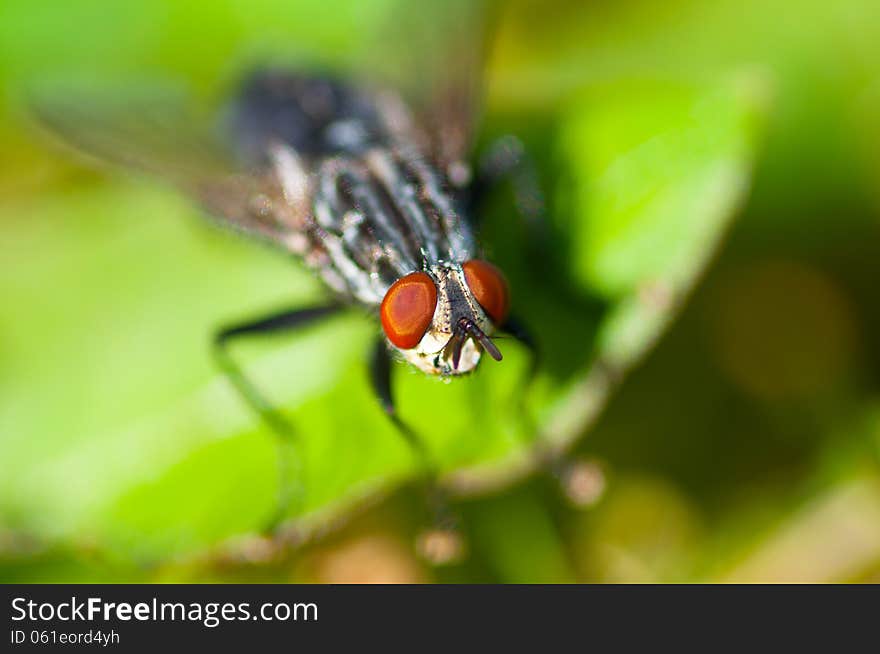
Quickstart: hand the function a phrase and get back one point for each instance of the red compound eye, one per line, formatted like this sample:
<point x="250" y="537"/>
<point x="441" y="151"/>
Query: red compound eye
<point x="408" y="308"/>
<point x="489" y="287"/>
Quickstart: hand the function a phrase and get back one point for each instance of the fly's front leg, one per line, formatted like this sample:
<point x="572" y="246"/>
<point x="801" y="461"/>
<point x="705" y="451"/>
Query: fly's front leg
<point x="581" y="481"/>
<point x="441" y="543"/>
<point x="519" y="331"/>
<point x="507" y="160"/>
<point x="289" y="459"/>
<point x="380" y="379"/>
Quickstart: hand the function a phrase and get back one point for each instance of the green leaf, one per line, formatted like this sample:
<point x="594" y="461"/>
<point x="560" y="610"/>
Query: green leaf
<point x="501" y="526"/>
<point x="117" y="433"/>
<point x="659" y="167"/>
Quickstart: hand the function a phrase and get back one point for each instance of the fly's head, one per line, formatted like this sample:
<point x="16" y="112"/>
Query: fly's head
<point x="441" y="319"/>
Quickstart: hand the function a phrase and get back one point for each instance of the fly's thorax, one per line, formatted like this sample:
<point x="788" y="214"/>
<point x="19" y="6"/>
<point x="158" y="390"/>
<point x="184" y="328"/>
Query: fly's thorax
<point x="455" y="302"/>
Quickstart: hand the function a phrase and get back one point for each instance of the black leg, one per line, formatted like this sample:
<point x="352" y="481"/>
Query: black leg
<point x="558" y="467"/>
<point x="289" y="320"/>
<point x="582" y="481"/>
<point x="507" y="160"/>
<point x="516" y="328"/>
<point x="441" y="543"/>
<point x="380" y="378"/>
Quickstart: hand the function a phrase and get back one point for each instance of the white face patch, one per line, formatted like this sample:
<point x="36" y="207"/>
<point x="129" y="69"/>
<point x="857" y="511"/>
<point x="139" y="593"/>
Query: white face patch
<point x="454" y="302"/>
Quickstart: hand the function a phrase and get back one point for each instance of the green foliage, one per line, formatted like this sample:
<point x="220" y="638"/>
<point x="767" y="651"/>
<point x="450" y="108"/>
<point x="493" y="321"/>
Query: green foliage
<point x="119" y="461"/>
<point x="121" y="445"/>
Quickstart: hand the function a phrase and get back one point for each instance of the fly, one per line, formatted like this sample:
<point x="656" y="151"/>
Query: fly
<point x="374" y="200"/>
<point x="375" y="217"/>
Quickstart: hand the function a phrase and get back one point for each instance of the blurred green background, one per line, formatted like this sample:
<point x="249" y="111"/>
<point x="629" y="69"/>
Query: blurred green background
<point x="706" y="301"/>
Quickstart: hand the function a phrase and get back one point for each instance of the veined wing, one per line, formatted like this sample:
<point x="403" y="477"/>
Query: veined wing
<point x="161" y="134"/>
<point x="435" y="54"/>
<point x="302" y="161"/>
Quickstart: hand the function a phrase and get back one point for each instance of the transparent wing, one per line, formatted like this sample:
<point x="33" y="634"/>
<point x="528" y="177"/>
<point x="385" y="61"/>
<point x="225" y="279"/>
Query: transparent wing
<point x="435" y="55"/>
<point x="161" y="133"/>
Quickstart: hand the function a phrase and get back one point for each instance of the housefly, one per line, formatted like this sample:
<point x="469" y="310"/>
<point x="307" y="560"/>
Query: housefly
<point x="373" y="196"/>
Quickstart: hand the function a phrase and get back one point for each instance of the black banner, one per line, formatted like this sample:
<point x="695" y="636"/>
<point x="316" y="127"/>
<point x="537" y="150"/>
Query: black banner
<point x="135" y="618"/>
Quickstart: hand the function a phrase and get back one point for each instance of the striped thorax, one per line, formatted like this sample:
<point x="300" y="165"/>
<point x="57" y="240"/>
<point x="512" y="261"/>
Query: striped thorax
<point x="381" y="215"/>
